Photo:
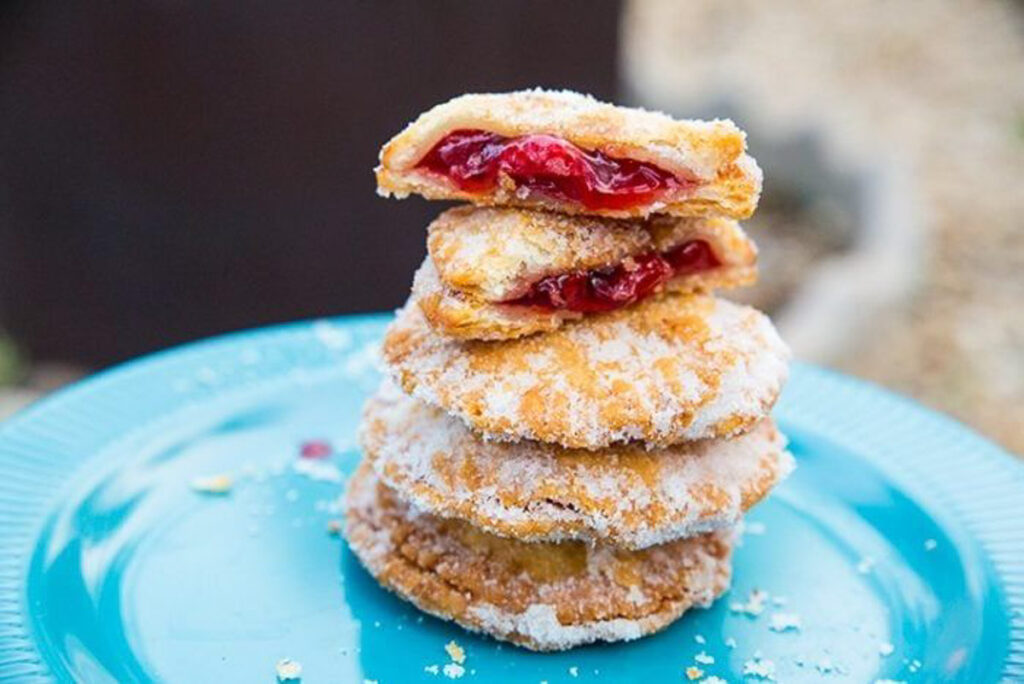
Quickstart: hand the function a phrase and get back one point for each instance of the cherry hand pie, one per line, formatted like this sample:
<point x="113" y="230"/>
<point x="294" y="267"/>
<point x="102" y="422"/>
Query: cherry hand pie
<point x="499" y="273"/>
<point x="666" y="370"/>
<point x="567" y="152"/>
<point x="545" y="597"/>
<point x="625" y="495"/>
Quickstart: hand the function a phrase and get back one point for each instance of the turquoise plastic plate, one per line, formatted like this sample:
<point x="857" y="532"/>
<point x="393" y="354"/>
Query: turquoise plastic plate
<point x="898" y="544"/>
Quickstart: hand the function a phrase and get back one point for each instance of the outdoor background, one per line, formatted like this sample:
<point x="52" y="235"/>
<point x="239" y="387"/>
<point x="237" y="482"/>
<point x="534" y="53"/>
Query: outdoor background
<point x="172" y="170"/>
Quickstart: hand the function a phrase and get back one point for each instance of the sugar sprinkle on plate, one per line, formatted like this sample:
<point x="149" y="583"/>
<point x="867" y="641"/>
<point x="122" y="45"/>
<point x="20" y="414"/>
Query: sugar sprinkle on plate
<point x="784" y="622"/>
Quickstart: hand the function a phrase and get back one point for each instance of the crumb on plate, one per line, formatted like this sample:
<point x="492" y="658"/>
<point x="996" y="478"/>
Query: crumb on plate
<point x="212" y="484"/>
<point x="288" y="670"/>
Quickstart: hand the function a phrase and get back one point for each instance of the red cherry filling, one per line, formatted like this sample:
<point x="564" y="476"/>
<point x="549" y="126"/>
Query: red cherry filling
<point x="550" y="166"/>
<point x="611" y="288"/>
<point x="315" y="448"/>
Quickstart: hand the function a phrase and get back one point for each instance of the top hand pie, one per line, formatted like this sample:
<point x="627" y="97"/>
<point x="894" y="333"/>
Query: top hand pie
<point x="568" y="152"/>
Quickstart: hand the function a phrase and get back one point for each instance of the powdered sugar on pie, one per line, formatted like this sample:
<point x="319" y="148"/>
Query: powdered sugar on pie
<point x="624" y="495"/>
<point x="669" y="369"/>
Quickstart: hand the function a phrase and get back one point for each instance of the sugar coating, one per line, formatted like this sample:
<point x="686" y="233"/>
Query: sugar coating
<point x="671" y="369"/>
<point x="695" y="146"/>
<point x="542" y="596"/>
<point x="531" y="491"/>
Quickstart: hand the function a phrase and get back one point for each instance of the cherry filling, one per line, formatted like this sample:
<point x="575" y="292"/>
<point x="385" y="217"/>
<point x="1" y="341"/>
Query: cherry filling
<point x="548" y="165"/>
<point x="618" y="286"/>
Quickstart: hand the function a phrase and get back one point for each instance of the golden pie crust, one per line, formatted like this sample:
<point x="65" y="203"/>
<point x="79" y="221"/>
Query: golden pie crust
<point x="479" y="258"/>
<point x="542" y="596"/>
<point x="669" y="369"/>
<point x="624" y="495"/>
<point x="710" y="153"/>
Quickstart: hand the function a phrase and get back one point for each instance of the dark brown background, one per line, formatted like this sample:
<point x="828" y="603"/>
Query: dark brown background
<point x="172" y="170"/>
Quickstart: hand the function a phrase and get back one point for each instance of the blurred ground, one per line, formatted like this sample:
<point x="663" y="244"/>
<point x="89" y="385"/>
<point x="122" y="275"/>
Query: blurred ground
<point x="933" y="88"/>
<point x="938" y="86"/>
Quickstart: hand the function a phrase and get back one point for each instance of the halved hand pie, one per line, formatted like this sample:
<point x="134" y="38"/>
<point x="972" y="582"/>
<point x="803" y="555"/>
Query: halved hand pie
<point x="624" y="495"/>
<point x="500" y="273"/>
<point x="570" y="153"/>
<point x="667" y="370"/>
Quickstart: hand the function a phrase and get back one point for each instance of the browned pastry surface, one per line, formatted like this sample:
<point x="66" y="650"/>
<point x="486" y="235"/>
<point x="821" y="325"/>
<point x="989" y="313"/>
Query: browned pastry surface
<point x="624" y="495"/>
<point x="541" y="596"/>
<point x="669" y="369"/>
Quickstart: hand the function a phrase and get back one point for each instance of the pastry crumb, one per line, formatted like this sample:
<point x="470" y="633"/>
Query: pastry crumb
<point x="704" y="658"/>
<point x="574" y="671"/>
<point x="886" y="649"/>
<point x="432" y="669"/>
<point x="212" y="484"/>
<point x="288" y="670"/>
<point x="694" y="673"/>
<point x="334" y="527"/>
<point x="930" y="544"/>
<point x="455" y="652"/>
<point x="699" y="638"/>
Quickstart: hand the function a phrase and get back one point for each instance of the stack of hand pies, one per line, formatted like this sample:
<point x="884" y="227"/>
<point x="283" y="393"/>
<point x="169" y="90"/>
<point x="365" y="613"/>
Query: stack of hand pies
<point x="573" y="425"/>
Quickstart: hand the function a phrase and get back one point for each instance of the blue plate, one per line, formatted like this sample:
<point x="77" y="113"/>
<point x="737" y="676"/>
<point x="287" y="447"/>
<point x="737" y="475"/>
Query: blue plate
<point x="900" y="529"/>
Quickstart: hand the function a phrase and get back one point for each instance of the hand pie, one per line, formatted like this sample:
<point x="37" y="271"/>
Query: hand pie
<point x="626" y="495"/>
<point x="570" y="153"/>
<point x="498" y="273"/>
<point x="545" y="597"/>
<point x="667" y="370"/>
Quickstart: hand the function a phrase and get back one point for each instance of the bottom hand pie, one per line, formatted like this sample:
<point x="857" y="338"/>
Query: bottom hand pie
<point x="541" y="596"/>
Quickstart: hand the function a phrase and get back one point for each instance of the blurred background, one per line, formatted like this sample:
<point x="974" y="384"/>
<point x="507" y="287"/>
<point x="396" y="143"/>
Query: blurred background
<point x="175" y="169"/>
